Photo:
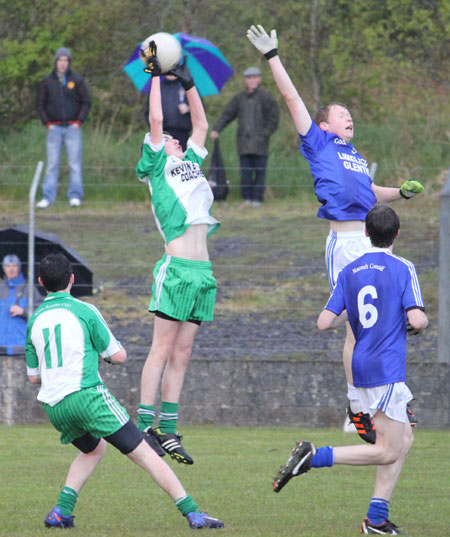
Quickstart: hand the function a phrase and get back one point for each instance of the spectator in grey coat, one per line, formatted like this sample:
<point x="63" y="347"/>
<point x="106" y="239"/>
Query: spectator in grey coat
<point x="258" y="116"/>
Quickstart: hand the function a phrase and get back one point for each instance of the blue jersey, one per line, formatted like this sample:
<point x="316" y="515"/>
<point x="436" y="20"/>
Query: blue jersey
<point x="376" y="290"/>
<point x="342" y="182"/>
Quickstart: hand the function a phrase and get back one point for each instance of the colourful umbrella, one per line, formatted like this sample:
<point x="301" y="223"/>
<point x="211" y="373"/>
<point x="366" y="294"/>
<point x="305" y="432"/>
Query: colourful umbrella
<point x="208" y="66"/>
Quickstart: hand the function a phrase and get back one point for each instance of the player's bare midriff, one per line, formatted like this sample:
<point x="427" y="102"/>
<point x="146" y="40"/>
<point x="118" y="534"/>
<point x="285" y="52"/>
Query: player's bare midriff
<point x="191" y="245"/>
<point x="347" y="225"/>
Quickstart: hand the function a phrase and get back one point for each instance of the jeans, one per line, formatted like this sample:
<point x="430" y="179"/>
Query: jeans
<point x="253" y="177"/>
<point x="71" y="138"/>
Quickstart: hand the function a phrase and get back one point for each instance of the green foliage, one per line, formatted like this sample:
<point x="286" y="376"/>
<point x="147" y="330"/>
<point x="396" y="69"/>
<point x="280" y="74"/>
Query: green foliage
<point x="374" y="55"/>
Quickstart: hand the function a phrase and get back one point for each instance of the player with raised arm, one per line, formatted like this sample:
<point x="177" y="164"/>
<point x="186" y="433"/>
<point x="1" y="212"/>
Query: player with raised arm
<point x="342" y="182"/>
<point x="379" y="294"/>
<point x="66" y="338"/>
<point x="184" y="288"/>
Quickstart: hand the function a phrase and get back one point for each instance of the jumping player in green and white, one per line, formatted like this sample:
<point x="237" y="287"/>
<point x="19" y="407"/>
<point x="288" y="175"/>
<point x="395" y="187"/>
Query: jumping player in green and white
<point x="184" y="288"/>
<point x="342" y="184"/>
<point x="65" y="340"/>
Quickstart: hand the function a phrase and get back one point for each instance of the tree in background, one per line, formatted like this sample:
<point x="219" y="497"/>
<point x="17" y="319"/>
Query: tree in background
<point x="381" y="57"/>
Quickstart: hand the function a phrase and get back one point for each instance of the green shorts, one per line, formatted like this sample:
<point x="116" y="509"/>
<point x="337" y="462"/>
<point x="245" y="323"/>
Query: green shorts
<point x="90" y="410"/>
<point x="183" y="289"/>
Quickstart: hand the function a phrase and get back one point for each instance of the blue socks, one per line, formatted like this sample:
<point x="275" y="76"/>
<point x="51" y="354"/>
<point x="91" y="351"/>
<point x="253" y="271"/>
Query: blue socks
<point x="379" y="507"/>
<point x="323" y="457"/>
<point x="378" y="510"/>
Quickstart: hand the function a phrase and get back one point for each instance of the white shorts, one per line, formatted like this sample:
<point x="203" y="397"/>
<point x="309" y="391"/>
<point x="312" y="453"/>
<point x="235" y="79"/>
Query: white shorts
<point x="389" y="398"/>
<point x="342" y="248"/>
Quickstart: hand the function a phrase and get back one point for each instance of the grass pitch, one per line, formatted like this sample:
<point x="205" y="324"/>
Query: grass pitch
<point x="231" y="479"/>
<point x="232" y="475"/>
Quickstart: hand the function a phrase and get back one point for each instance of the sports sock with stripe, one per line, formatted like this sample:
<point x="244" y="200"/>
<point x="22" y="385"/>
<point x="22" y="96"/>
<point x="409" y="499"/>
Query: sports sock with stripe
<point x="323" y="457"/>
<point x="146" y="416"/>
<point x="378" y="510"/>
<point x="67" y="500"/>
<point x="186" y="505"/>
<point x="168" y="417"/>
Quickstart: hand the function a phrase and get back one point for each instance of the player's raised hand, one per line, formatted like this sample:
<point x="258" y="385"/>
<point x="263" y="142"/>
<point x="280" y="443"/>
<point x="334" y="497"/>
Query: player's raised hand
<point x="184" y="75"/>
<point x="410" y="188"/>
<point x="151" y="59"/>
<point x="261" y="40"/>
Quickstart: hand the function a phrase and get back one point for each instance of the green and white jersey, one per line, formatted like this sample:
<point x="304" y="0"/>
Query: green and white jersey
<point x="181" y="195"/>
<point x="65" y="338"/>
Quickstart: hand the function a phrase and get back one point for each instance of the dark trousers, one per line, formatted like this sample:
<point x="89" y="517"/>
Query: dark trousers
<point x="253" y="177"/>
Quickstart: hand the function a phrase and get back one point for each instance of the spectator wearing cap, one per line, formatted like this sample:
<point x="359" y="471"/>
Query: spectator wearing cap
<point x="258" y="115"/>
<point x="14" y="307"/>
<point x="63" y="106"/>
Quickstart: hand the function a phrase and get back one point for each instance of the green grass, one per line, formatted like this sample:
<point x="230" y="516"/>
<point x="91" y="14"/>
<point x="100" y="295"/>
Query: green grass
<point x="231" y="479"/>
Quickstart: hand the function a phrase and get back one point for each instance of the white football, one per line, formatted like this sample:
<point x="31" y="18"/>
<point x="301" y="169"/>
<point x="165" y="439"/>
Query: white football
<point x="168" y="50"/>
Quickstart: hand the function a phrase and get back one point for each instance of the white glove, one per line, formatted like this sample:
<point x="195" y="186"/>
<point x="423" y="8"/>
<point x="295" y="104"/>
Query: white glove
<point x="266" y="44"/>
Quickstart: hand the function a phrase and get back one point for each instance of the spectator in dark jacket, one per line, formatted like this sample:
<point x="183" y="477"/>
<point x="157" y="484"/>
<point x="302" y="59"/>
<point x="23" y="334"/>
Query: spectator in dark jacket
<point x="14" y="307"/>
<point x="258" y="115"/>
<point x="63" y="105"/>
<point x="177" y="118"/>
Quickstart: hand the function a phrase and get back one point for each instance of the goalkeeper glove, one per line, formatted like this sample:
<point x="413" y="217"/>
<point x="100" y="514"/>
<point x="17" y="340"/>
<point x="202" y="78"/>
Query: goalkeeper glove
<point x="259" y="38"/>
<point x="411" y="188"/>
<point x="184" y="76"/>
<point x="151" y="60"/>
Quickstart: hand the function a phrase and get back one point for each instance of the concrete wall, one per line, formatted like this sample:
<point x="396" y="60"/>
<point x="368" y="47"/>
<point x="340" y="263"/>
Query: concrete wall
<point x="237" y="392"/>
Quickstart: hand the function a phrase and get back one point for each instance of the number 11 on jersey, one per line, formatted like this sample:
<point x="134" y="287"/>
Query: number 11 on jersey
<point x="48" y="355"/>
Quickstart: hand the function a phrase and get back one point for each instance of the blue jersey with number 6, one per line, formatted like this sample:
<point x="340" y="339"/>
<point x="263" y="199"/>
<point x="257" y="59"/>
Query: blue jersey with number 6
<point x="376" y="290"/>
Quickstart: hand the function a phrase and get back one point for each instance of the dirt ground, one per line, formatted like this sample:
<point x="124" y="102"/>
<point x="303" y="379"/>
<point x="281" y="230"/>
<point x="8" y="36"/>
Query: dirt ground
<point x="288" y="331"/>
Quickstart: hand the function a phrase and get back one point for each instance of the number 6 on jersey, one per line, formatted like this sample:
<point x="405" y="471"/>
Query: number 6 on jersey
<point x="368" y="313"/>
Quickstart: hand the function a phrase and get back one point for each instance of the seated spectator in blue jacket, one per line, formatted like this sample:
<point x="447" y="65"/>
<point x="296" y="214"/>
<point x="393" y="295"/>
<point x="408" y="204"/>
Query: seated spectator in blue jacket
<point x="14" y="307"/>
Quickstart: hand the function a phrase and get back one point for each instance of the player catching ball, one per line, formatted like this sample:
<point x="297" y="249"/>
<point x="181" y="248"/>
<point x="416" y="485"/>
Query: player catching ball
<point x="184" y="288"/>
<point x="379" y="293"/>
<point x="342" y="182"/>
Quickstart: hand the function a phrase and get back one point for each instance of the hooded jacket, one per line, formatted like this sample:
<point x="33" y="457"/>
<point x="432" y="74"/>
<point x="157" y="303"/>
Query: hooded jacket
<point x="63" y="102"/>
<point x="13" y="330"/>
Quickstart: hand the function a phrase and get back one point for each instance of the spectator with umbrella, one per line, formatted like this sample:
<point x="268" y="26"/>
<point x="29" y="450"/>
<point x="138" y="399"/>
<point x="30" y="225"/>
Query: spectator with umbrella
<point x="177" y="118"/>
<point x="208" y="66"/>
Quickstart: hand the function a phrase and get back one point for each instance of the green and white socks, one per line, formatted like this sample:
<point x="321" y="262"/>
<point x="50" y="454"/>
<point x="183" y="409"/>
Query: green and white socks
<point x="146" y="416"/>
<point x="186" y="505"/>
<point x="168" y="417"/>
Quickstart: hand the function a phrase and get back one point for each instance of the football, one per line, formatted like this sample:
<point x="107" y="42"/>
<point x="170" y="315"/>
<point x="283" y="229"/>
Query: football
<point x="168" y="50"/>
